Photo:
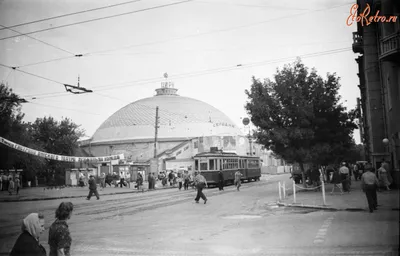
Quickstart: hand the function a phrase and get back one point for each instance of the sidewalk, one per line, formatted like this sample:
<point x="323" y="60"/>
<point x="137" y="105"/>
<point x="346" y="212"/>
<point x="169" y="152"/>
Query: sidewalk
<point x="353" y="201"/>
<point x="44" y="193"/>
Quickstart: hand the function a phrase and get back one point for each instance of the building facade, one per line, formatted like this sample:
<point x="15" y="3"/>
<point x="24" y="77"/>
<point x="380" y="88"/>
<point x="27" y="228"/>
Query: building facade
<point x="165" y="131"/>
<point x="378" y="44"/>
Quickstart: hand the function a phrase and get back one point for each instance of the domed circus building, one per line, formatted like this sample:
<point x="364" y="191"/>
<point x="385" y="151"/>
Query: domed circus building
<point x="186" y="127"/>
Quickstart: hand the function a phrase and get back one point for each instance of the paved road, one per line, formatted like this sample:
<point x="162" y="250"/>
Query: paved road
<point x="168" y="222"/>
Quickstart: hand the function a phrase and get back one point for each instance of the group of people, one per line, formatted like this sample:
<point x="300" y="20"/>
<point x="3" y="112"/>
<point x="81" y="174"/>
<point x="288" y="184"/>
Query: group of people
<point x="10" y="184"/>
<point x="33" y="226"/>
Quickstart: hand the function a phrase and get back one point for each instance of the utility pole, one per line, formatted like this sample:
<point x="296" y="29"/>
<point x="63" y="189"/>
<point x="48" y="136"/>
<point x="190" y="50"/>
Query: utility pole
<point x="156" y="133"/>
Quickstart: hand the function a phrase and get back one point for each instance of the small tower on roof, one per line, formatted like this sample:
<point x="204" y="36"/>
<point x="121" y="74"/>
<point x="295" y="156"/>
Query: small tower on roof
<point x="167" y="88"/>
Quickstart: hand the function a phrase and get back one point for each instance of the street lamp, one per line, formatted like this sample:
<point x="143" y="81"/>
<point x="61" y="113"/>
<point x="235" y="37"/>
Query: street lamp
<point x="246" y="122"/>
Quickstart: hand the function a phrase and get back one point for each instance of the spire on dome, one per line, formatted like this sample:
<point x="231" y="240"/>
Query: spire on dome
<point x="167" y="87"/>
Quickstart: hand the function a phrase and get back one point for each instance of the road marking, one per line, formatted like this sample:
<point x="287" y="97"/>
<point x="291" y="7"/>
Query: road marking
<point x="321" y="234"/>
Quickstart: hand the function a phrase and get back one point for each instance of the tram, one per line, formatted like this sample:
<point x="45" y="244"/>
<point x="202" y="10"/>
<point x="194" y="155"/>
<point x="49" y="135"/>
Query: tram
<point x="210" y="163"/>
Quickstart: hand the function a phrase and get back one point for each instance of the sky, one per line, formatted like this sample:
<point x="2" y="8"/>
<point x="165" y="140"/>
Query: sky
<point x="210" y="49"/>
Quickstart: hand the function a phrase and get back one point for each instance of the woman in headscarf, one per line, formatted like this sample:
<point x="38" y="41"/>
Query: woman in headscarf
<point x="59" y="236"/>
<point x="27" y="243"/>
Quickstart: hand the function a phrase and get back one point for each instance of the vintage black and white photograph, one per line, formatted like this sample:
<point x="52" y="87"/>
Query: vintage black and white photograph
<point x="199" y="127"/>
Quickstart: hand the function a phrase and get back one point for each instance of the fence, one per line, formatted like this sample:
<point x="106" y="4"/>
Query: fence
<point x="283" y="191"/>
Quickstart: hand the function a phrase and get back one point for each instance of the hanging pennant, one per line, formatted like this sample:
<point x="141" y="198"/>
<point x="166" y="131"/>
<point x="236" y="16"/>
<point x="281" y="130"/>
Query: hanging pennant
<point x="59" y="157"/>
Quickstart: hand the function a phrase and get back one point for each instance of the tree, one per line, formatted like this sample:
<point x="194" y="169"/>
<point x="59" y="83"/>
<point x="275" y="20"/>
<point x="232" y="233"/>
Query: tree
<point x="56" y="137"/>
<point x="298" y="115"/>
<point x="10" y="123"/>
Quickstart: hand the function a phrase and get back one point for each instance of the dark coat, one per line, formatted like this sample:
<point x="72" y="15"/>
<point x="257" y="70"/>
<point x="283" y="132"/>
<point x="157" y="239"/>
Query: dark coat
<point x="27" y="245"/>
<point x="92" y="184"/>
<point x="221" y="176"/>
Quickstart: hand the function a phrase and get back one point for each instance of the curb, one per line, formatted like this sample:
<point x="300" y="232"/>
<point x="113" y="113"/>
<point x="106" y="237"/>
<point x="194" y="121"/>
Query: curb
<point x="321" y="207"/>
<point x="80" y="196"/>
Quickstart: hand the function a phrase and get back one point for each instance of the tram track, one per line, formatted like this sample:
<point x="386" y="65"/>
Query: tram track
<point x="118" y="207"/>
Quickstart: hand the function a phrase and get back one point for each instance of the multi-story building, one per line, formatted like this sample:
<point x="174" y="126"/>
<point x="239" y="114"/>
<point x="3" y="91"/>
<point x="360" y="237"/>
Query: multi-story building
<point x="378" y="44"/>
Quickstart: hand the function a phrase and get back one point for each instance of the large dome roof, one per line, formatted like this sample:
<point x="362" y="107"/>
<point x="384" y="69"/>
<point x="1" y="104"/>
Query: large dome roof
<point x="179" y="117"/>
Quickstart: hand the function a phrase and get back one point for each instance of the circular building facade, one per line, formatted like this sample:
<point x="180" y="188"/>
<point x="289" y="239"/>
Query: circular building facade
<point x="178" y="118"/>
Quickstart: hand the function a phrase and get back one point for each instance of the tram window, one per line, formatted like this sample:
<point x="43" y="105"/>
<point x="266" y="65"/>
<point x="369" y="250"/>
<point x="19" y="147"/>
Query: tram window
<point x="220" y="164"/>
<point x="211" y="164"/>
<point x="203" y="166"/>
<point x="196" y="165"/>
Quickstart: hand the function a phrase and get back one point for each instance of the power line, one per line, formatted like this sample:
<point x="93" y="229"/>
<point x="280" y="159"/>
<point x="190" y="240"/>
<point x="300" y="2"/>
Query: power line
<point x="212" y="31"/>
<point x="183" y="37"/>
<point x="25" y="72"/>
<point x="43" y="42"/>
<point x="71" y="109"/>
<point x="101" y="18"/>
<point x="201" y="72"/>
<point x="68" y="14"/>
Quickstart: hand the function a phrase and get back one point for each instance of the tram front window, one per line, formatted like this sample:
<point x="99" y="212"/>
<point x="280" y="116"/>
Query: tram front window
<point x="196" y="165"/>
<point x="203" y="166"/>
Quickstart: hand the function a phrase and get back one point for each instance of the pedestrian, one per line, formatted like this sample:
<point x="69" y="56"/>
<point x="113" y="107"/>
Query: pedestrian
<point x="122" y="180"/>
<point x="329" y="170"/>
<point x="186" y="180"/>
<point x="10" y="186"/>
<point x="28" y="242"/>
<point x="17" y="184"/>
<point x="150" y="180"/>
<point x="355" y="172"/>
<point x="336" y="181"/>
<point x="369" y="184"/>
<point x="383" y="177"/>
<point x="238" y="181"/>
<point x="153" y="180"/>
<point x="102" y="181"/>
<point x="171" y="178"/>
<point x="139" y="180"/>
<point x="200" y="183"/>
<point x="180" y="181"/>
<point x="92" y="188"/>
<point x="344" y="175"/>
<point x="59" y="235"/>
<point x="220" y="181"/>
<point x="128" y="179"/>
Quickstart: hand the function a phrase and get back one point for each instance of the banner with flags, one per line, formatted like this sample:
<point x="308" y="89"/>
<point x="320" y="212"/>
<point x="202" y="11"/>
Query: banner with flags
<point x="59" y="157"/>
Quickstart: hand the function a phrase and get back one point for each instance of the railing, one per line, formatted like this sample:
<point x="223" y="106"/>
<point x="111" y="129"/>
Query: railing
<point x="357" y="43"/>
<point x="390" y="45"/>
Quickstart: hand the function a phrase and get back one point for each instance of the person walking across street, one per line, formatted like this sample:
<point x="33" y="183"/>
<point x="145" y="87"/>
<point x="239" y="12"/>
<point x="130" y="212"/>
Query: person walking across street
<point x="200" y="183"/>
<point x="220" y="181"/>
<point x="238" y="181"/>
<point x="92" y="188"/>
<point x="369" y="184"/>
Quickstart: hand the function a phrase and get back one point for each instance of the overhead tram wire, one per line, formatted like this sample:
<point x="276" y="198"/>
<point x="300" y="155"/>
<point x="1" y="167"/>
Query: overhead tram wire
<point x="212" y="31"/>
<point x="101" y="18"/>
<point x="70" y="14"/>
<point x="41" y="41"/>
<point x="201" y="72"/>
<point x="184" y="37"/>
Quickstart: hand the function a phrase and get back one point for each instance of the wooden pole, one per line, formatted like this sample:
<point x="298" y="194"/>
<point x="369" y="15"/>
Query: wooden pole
<point x="323" y="190"/>
<point x="294" y="191"/>
<point x="280" y="193"/>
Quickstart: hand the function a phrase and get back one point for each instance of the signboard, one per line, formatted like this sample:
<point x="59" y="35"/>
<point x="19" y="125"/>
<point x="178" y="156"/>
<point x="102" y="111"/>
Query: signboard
<point x="59" y="157"/>
<point x="154" y="165"/>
